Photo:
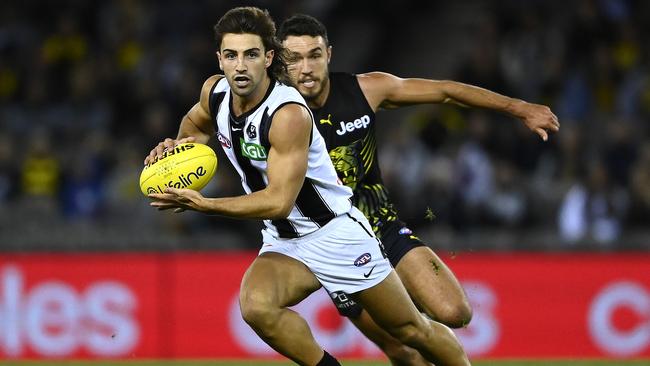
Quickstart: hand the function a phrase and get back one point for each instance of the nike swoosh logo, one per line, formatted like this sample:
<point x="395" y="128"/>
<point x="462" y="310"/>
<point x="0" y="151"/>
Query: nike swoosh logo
<point x="366" y="275"/>
<point x="235" y="129"/>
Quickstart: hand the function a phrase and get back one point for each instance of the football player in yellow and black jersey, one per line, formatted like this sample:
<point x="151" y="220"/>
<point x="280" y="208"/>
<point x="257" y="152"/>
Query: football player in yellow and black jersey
<point x="344" y="107"/>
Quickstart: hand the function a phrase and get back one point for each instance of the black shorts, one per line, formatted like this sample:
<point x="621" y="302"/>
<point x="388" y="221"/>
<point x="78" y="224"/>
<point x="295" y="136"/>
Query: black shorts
<point x="397" y="240"/>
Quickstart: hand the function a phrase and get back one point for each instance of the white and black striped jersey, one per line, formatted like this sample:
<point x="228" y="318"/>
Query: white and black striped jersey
<point x="245" y="140"/>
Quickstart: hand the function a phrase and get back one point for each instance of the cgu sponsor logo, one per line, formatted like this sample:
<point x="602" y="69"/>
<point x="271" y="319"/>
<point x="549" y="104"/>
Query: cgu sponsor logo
<point x="252" y="151"/>
<point x="54" y="320"/>
<point x="182" y="181"/>
<point x="167" y="153"/>
<point x="358" y="123"/>
<point x="363" y="259"/>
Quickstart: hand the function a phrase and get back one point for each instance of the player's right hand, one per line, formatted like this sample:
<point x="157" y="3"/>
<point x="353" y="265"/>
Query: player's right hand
<point x="164" y="146"/>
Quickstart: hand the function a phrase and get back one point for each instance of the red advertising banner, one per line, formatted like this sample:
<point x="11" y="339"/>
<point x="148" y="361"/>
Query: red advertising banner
<point x="184" y="305"/>
<point x="79" y="306"/>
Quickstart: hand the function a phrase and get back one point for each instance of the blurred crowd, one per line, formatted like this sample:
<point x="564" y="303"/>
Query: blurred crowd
<point x="88" y="88"/>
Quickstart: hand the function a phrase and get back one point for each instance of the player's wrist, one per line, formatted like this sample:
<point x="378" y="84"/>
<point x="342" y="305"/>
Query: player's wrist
<point x="517" y="108"/>
<point x="205" y="205"/>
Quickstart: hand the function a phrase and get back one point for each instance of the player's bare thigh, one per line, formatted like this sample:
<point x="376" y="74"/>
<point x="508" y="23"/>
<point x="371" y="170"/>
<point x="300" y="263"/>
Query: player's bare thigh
<point x="382" y="301"/>
<point x="278" y="280"/>
<point x="433" y="287"/>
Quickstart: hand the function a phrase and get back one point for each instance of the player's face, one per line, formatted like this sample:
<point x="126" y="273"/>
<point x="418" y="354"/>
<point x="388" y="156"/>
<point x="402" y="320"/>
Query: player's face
<point x="308" y="71"/>
<point x="244" y="62"/>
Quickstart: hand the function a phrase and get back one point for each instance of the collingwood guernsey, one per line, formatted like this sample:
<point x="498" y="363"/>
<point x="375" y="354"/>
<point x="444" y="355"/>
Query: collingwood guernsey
<point x="245" y="140"/>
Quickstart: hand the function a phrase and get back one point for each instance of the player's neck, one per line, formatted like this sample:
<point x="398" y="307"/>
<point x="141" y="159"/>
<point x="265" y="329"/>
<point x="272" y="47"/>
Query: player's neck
<point x="243" y="104"/>
<point x="321" y="99"/>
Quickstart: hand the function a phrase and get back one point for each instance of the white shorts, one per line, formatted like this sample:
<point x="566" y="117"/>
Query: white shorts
<point x="344" y="255"/>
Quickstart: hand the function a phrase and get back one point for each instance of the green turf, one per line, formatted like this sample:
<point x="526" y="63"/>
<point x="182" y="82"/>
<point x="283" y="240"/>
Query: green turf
<point x="345" y="363"/>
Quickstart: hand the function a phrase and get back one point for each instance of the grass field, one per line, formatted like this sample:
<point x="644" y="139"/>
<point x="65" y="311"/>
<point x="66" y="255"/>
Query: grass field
<point x="345" y="363"/>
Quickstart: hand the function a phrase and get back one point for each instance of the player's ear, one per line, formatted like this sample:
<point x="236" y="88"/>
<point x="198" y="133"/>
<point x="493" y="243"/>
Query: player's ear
<point x="329" y="54"/>
<point x="219" y="59"/>
<point x="268" y="58"/>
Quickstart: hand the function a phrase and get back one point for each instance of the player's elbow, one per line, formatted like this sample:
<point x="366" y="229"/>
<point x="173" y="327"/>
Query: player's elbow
<point x="279" y="202"/>
<point x="281" y="210"/>
<point x="285" y="211"/>
<point x="279" y="214"/>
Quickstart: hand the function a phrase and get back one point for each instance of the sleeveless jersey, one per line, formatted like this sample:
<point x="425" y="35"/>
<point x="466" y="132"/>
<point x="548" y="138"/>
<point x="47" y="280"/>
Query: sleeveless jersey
<point x="245" y="140"/>
<point x="347" y="122"/>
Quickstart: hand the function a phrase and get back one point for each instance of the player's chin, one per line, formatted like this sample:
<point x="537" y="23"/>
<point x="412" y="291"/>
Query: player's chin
<point x="308" y="93"/>
<point x="242" y="91"/>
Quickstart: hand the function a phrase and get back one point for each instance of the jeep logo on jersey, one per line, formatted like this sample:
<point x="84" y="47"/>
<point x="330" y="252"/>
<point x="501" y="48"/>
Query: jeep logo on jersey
<point x="251" y="131"/>
<point x="363" y="259"/>
<point x="252" y="151"/>
<point x="223" y="140"/>
<point x="358" y="123"/>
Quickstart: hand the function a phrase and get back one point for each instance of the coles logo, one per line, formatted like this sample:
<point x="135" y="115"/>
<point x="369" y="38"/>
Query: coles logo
<point x="627" y="339"/>
<point x="53" y="319"/>
<point x="363" y="259"/>
<point x="223" y="140"/>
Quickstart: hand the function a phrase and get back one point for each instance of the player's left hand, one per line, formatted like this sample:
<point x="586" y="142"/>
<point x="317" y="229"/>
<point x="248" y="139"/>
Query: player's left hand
<point x="178" y="199"/>
<point x="538" y="118"/>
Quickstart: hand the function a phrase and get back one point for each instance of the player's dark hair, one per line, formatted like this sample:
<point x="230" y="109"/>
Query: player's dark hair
<point x="302" y="25"/>
<point x="251" y="20"/>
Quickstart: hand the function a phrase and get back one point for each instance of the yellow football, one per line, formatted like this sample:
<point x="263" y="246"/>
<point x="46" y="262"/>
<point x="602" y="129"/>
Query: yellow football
<point x="189" y="165"/>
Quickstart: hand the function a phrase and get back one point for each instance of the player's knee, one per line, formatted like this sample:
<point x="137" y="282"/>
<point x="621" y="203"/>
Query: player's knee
<point x="410" y="334"/>
<point x="257" y="312"/>
<point x="456" y="315"/>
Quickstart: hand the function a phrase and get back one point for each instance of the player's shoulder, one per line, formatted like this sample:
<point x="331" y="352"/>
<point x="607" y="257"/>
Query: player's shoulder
<point x="376" y="78"/>
<point x="342" y="80"/>
<point x="211" y="82"/>
<point x="284" y="88"/>
<point x="207" y="89"/>
<point x="290" y="120"/>
<point x="288" y="103"/>
<point x="285" y="94"/>
<point x="377" y="85"/>
<point x="293" y="111"/>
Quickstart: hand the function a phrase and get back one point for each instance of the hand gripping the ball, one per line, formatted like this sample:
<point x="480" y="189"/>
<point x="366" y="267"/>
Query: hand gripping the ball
<point x="167" y="144"/>
<point x="179" y="200"/>
<point x="186" y="165"/>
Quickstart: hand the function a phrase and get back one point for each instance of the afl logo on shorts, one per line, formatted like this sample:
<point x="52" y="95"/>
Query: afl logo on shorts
<point x="363" y="259"/>
<point x="223" y="140"/>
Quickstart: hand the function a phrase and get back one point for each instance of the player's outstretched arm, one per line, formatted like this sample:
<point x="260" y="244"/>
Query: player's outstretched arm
<point x="287" y="166"/>
<point x="196" y="125"/>
<point x="384" y="90"/>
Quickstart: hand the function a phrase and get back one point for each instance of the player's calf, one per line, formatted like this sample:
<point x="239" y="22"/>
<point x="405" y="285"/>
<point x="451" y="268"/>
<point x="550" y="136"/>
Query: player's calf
<point x="397" y="353"/>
